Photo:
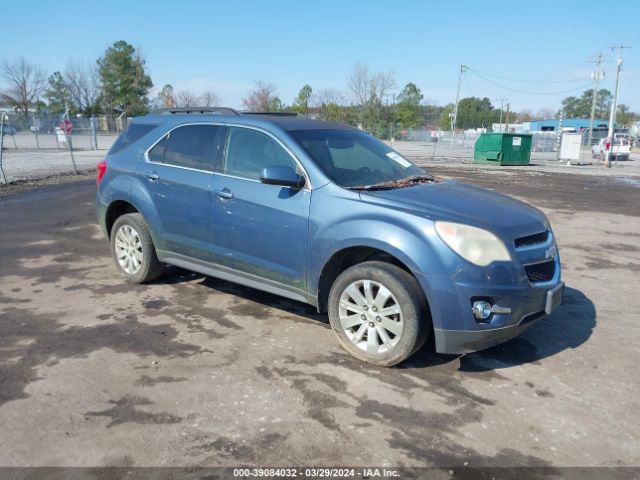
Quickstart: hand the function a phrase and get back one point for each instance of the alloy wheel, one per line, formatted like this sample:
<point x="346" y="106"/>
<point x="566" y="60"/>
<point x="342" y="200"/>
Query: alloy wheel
<point x="370" y="316"/>
<point x="128" y="248"/>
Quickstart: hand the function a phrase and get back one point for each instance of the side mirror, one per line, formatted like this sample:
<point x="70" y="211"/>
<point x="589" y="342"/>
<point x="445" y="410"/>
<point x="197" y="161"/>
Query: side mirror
<point x="282" y="175"/>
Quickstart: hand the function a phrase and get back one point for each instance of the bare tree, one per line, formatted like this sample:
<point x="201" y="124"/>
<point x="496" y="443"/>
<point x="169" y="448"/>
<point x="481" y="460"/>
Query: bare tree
<point x="184" y="98"/>
<point x="524" y="116"/>
<point x="82" y="82"/>
<point x="368" y="89"/>
<point x="209" y="99"/>
<point x="328" y="96"/>
<point x="26" y="82"/>
<point x="167" y="97"/>
<point x="545" y="113"/>
<point x="381" y="84"/>
<point x="262" y="98"/>
<point x="359" y="82"/>
<point x="329" y="102"/>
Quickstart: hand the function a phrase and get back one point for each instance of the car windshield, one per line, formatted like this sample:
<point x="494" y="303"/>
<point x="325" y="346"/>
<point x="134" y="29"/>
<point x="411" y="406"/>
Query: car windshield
<point x="354" y="159"/>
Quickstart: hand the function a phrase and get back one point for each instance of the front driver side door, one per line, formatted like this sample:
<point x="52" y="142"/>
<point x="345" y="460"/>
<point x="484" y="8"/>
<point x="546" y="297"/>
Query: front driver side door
<point x="258" y="229"/>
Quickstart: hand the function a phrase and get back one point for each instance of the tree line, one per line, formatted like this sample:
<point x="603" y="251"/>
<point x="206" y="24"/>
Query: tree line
<point x="118" y="83"/>
<point x="580" y="107"/>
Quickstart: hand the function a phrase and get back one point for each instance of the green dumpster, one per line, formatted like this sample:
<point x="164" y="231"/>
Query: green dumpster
<point x="503" y="148"/>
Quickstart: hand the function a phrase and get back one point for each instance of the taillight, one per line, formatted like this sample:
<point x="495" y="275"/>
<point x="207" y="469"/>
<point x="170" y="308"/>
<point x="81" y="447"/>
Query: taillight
<point x="101" y="169"/>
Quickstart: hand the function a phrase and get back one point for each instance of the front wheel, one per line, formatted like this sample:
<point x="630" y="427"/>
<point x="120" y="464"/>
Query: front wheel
<point x="379" y="313"/>
<point x="133" y="251"/>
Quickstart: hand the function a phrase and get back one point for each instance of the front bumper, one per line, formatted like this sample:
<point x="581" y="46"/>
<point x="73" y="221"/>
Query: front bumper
<point x="468" y="341"/>
<point x="456" y="329"/>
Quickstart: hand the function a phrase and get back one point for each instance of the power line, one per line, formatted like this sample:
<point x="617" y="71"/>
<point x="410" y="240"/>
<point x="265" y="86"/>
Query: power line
<point x="528" y="92"/>
<point x="572" y="80"/>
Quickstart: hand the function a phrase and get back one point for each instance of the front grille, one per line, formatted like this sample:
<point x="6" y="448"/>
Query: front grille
<point x="534" y="239"/>
<point x="541" y="272"/>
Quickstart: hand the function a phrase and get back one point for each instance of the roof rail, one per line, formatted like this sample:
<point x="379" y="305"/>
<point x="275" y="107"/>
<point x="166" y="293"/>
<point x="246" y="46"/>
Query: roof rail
<point x="201" y="110"/>
<point x="276" y="114"/>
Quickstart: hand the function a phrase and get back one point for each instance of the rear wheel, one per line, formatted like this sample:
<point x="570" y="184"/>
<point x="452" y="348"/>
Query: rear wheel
<point x="133" y="251"/>
<point x="378" y="313"/>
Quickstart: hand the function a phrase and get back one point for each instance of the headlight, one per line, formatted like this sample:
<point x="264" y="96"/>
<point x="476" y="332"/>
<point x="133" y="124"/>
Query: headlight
<point x="478" y="246"/>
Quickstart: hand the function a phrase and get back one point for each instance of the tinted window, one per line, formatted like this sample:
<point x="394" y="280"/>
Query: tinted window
<point x="193" y="146"/>
<point x="156" y="154"/>
<point x="352" y="158"/>
<point x="249" y="151"/>
<point x="131" y="134"/>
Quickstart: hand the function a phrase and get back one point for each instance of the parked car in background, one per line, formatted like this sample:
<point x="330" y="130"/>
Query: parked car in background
<point x="622" y="137"/>
<point x="326" y="214"/>
<point x="621" y="148"/>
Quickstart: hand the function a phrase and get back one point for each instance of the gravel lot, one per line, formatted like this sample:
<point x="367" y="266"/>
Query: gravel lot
<point x="195" y="371"/>
<point x="30" y="162"/>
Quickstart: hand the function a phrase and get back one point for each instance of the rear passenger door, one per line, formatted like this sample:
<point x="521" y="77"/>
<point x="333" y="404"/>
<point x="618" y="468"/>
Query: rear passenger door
<point x="259" y="229"/>
<point x="178" y="171"/>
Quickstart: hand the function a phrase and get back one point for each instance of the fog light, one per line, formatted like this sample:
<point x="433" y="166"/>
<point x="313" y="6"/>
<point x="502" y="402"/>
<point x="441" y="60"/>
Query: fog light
<point x="481" y="310"/>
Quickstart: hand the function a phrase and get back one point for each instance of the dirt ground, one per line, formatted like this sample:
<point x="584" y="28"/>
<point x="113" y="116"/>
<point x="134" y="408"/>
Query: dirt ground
<point x="194" y="371"/>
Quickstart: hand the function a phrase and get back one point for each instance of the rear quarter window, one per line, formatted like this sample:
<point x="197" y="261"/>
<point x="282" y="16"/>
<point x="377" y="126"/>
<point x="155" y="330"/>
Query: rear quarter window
<point x="131" y="134"/>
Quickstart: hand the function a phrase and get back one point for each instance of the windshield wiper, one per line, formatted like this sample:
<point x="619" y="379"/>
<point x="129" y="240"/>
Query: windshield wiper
<point x="403" y="182"/>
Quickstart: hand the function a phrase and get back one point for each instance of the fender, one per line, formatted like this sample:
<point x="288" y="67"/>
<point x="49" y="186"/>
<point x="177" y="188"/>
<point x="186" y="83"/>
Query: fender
<point x="399" y="242"/>
<point x="415" y="250"/>
<point x="119" y="189"/>
<point x="143" y="202"/>
<point x="402" y="240"/>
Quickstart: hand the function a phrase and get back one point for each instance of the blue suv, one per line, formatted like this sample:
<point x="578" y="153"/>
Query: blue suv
<point x="326" y="214"/>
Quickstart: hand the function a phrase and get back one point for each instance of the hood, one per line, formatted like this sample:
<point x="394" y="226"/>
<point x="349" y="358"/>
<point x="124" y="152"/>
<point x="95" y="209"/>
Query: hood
<point x="453" y="201"/>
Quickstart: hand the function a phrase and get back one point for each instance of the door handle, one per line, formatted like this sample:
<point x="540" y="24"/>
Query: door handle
<point x="153" y="176"/>
<point x="224" y="193"/>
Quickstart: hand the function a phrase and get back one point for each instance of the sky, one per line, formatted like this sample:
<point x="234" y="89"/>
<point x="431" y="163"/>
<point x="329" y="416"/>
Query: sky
<point x="531" y="53"/>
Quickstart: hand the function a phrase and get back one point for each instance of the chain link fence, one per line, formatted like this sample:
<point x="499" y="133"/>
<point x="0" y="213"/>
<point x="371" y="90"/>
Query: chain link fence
<point x="35" y="146"/>
<point x="432" y="142"/>
<point x="35" y="132"/>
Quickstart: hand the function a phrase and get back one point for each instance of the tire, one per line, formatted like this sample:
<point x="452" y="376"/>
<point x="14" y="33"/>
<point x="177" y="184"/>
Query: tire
<point x="392" y="289"/>
<point x="129" y="235"/>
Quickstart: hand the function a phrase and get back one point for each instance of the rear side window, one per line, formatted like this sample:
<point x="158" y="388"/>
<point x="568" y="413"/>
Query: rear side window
<point x="156" y="154"/>
<point x="131" y="134"/>
<point x="191" y="146"/>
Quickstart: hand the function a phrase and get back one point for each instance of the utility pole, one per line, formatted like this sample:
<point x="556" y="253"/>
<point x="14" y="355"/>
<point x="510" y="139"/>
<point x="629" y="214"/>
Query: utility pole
<point x="463" y="68"/>
<point x="597" y="75"/>
<point x="501" y="100"/>
<point x="559" y="136"/>
<point x="614" y="105"/>
<point x="506" y="129"/>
